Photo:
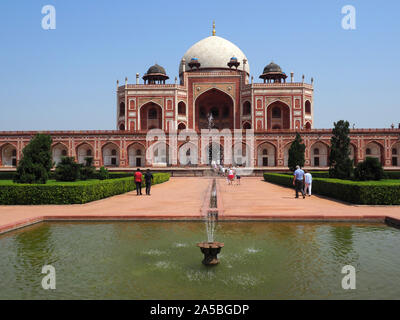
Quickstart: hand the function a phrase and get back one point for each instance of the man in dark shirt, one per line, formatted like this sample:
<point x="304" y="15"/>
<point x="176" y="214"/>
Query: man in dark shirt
<point x="148" y="178"/>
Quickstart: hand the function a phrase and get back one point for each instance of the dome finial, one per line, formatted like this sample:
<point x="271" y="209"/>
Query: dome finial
<point x="213" y="31"/>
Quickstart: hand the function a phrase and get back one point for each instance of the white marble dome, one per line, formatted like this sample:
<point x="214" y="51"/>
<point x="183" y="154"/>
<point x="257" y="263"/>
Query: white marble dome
<point x="214" y="52"/>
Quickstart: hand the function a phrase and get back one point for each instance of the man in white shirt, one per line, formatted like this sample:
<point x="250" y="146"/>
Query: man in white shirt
<point x="308" y="183"/>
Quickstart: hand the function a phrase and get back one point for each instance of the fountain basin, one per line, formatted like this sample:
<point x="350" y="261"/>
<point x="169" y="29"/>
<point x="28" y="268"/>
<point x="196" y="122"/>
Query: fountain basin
<point x="210" y="251"/>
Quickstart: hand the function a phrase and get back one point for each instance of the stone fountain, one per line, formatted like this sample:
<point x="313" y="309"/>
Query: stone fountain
<point x="211" y="248"/>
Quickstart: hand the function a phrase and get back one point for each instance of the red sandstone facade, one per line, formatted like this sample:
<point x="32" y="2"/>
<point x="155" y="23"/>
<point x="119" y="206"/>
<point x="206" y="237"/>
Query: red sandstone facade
<point x="275" y="110"/>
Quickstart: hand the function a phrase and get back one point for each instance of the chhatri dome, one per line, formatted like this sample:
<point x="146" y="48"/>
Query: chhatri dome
<point x="214" y="53"/>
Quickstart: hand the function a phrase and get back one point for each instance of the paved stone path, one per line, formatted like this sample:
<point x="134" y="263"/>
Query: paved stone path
<point x="184" y="198"/>
<point x="255" y="198"/>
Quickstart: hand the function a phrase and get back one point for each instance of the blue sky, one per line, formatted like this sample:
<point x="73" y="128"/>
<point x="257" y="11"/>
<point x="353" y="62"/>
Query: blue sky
<point x="65" y="78"/>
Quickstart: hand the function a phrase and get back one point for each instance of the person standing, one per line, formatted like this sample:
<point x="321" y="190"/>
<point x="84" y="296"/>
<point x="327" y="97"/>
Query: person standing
<point x="298" y="181"/>
<point x="308" y="182"/>
<point x="230" y="175"/>
<point x="148" y="179"/>
<point x="138" y="181"/>
<point x="238" y="173"/>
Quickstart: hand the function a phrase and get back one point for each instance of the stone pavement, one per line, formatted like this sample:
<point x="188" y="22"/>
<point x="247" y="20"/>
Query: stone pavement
<point x="185" y="198"/>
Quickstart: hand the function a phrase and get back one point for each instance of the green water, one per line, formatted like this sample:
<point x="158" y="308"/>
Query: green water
<point x="159" y="260"/>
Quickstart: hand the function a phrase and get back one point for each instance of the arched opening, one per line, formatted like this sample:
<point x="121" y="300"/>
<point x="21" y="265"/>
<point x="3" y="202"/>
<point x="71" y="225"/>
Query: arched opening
<point x="266" y="155"/>
<point x="84" y="151"/>
<point x="9" y="155"/>
<point x="247" y="125"/>
<point x="136" y="155"/>
<point x="319" y="155"/>
<point x="374" y="150"/>
<point x="150" y="116"/>
<point x="58" y="152"/>
<point x="122" y="127"/>
<point x="181" y="126"/>
<point x="246" y="108"/>
<point x="308" y="107"/>
<point x="396" y="154"/>
<point x="278" y="116"/>
<point x="110" y="155"/>
<point x="181" y="108"/>
<point x="188" y="154"/>
<point x="214" y="153"/>
<point x="160" y="154"/>
<point x="217" y="104"/>
<point x="122" y="109"/>
<point x="308" y="126"/>
<point x="241" y="155"/>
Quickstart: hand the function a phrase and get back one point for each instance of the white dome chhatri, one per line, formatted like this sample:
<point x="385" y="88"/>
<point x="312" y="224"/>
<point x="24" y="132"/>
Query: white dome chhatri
<point x="214" y="52"/>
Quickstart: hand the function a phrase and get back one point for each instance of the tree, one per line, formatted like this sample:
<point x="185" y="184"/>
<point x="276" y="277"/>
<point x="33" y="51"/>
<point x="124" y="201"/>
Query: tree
<point x="103" y="174"/>
<point x="36" y="161"/>
<point x="296" y="153"/>
<point x="67" y="169"/>
<point x="87" y="170"/>
<point x="341" y="166"/>
<point x="369" y="169"/>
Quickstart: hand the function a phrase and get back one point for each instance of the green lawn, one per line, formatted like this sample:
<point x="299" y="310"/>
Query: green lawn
<point x="54" y="182"/>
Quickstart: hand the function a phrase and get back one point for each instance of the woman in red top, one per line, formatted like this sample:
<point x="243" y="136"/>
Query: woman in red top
<point x="138" y="181"/>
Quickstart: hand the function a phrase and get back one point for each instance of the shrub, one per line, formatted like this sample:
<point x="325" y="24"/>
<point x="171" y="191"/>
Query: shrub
<point x="369" y="169"/>
<point x="392" y="174"/>
<point x="69" y="193"/>
<point x="358" y="192"/>
<point x="296" y="153"/>
<point x="103" y="174"/>
<point x="36" y="161"/>
<point x="67" y="169"/>
<point x="87" y="171"/>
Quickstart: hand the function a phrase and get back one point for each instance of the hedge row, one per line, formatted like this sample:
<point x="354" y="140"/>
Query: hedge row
<point x="371" y="193"/>
<point x="29" y="194"/>
<point x="9" y="175"/>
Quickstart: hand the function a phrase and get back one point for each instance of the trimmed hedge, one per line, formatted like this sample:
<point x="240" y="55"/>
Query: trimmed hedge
<point x="69" y="193"/>
<point x="368" y="192"/>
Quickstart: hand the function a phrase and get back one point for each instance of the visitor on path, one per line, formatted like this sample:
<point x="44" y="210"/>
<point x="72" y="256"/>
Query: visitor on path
<point x="307" y="182"/>
<point x="231" y="175"/>
<point x="298" y="181"/>
<point x="148" y="178"/>
<point x="237" y="176"/>
<point x="138" y="181"/>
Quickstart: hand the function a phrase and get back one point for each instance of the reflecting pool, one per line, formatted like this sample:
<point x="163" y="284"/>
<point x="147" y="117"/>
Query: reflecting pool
<point x="160" y="260"/>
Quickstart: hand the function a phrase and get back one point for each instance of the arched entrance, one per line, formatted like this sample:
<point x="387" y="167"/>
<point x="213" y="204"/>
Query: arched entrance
<point x="150" y="116"/>
<point x="241" y="154"/>
<point x="214" y="153"/>
<point x="278" y="116"/>
<point x="110" y="155"/>
<point x="58" y="152"/>
<point x="216" y="103"/>
<point x="396" y="154"/>
<point x="374" y="150"/>
<point x="188" y="154"/>
<point x="266" y="155"/>
<point x="319" y="155"/>
<point x="9" y="155"/>
<point x="84" y="151"/>
<point x="136" y="155"/>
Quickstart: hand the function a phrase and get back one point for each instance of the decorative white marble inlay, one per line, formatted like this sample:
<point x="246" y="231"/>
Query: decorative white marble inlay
<point x="259" y="113"/>
<point x="132" y="114"/>
<point x="169" y="114"/>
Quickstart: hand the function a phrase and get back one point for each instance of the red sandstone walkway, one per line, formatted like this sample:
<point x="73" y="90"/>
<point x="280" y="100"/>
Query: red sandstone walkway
<point x="183" y="198"/>
<point x="255" y="198"/>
